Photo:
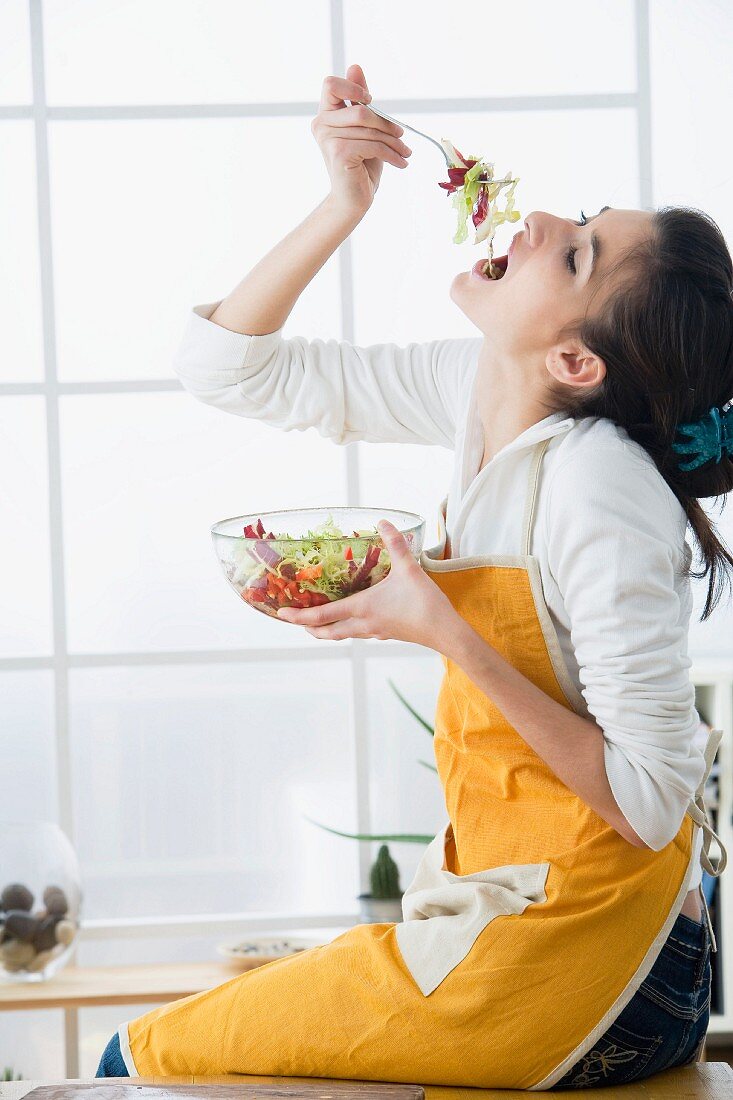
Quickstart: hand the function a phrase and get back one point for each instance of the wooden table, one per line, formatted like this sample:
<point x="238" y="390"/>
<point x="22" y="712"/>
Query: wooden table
<point x="700" y="1081"/>
<point x="78" y="987"/>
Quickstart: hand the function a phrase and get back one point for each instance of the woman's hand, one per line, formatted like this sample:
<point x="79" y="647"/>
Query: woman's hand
<point x="407" y="605"/>
<point x="354" y="141"/>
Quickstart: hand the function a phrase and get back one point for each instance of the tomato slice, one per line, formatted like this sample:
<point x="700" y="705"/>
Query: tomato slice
<point x="319" y="598"/>
<point x="309" y="572"/>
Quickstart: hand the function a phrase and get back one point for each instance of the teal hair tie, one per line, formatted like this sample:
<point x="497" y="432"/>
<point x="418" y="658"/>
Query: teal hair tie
<point x="711" y="435"/>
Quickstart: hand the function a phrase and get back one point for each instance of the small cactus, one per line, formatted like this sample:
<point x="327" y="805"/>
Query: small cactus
<point x="384" y="876"/>
<point x="9" y="1075"/>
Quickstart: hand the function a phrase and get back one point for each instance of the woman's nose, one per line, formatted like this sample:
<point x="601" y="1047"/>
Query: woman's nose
<point x="539" y="224"/>
<point x="533" y="226"/>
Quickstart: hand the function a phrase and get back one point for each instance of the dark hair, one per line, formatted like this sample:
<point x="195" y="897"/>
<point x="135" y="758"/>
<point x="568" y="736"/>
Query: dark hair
<point x="665" y="334"/>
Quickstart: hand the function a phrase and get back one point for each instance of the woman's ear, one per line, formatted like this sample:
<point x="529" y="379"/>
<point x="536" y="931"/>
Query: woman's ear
<point x="573" y="364"/>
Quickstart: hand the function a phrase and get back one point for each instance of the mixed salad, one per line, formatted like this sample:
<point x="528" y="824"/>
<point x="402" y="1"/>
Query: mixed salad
<point x="475" y="192"/>
<point x="276" y="570"/>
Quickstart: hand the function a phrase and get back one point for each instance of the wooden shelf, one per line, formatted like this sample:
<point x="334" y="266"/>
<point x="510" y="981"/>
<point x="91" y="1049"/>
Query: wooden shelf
<point x="78" y="987"/>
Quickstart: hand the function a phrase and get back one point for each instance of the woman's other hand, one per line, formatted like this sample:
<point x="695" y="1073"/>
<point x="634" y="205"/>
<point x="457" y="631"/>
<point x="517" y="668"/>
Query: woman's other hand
<point x="354" y="141"/>
<point x="407" y="605"/>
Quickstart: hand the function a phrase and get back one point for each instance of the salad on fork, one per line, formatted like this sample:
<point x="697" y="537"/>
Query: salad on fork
<point x="475" y="191"/>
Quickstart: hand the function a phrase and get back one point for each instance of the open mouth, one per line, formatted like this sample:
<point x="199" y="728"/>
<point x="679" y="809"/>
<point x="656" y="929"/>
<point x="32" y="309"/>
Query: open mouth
<point x="482" y="268"/>
<point x="499" y="265"/>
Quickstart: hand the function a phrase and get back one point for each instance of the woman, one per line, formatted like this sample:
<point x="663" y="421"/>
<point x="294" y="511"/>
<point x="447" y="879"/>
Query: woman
<point x="552" y="935"/>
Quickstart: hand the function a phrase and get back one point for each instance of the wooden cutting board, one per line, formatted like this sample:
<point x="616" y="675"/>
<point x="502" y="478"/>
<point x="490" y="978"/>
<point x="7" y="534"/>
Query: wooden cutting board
<point x="270" y="1090"/>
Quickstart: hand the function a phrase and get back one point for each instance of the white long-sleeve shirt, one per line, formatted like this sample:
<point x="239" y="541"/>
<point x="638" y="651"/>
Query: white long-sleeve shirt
<point x="608" y="533"/>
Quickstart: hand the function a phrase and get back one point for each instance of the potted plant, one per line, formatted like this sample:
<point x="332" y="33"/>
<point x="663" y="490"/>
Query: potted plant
<point x="384" y="903"/>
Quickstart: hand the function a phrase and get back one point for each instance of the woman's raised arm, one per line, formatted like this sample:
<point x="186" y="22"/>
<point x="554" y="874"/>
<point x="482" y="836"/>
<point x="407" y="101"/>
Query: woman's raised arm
<point x="381" y="393"/>
<point x="354" y="143"/>
<point x="233" y="354"/>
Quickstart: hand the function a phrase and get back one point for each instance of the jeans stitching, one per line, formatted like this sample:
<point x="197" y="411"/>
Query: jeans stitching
<point x="691" y="952"/>
<point x="702" y="966"/>
<point x="693" y="1028"/>
<point x="669" y="1006"/>
<point x="600" y="1062"/>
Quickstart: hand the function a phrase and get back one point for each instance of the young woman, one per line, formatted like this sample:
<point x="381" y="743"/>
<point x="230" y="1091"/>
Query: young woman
<point x="553" y="933"/>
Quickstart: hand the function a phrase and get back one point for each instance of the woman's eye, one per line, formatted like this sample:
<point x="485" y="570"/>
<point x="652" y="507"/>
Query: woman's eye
<point x="570" y="254"/>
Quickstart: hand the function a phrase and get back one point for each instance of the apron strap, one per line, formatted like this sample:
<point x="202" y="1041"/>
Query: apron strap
<point x="529" y="506"/>
<point x="697" y="811"/>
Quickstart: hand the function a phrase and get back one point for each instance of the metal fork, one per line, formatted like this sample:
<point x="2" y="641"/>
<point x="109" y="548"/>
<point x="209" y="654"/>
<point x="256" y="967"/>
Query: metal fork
<point x="404" y="125"/>
<point x="383" y="114"/>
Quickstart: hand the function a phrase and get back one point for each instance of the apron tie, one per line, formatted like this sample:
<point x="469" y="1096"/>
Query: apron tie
<point x="698" y="812"/>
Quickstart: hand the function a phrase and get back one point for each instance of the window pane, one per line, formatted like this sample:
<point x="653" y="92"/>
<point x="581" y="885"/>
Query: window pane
<point x="25" y="582"/>
<point x="404" y="255"/>
<point x="33" y="1043"/>
<point x="15" y="53"/>
<point x="414" y="478"/>
<point x="423" y="48"/>
<point x="28" y="751"/>
<point x="405" y="796"/>
<point x="186" y="213"/>
<point x="191" y="785"/>
<point x="192" y="52"/>
<point x="21" y="340"/>
<point x="145" y="476"/>
<point x="702" y="34"/>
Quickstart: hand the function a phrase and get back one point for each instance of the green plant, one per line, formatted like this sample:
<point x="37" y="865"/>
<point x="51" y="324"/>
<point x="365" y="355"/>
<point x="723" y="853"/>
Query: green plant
<point x="384" y="876"/>
<point x="405" y="837"/>
<point x="9" y="1075"/>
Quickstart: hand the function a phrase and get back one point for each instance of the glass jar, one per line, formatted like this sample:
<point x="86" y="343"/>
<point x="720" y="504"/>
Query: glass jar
<point x="40" y="900"/>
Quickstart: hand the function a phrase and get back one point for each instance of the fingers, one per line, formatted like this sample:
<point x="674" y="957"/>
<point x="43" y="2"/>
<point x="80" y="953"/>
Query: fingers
<point x="370" y="149"/>
<point x="355" y="72"/>
<point x="336" y="89"/>
<point x="395" y="541"/>
<point x="338" y="632"/>
<point x="364" y="133"/>
<point x="358" y="115"/>
<point x="322" y="615"/>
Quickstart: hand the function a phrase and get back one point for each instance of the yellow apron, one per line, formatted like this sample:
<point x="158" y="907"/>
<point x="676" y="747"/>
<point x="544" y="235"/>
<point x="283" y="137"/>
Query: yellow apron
<point x="529" y="924"/>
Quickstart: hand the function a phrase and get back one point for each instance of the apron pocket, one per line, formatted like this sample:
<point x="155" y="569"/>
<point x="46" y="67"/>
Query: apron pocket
<point x="445" y="913"/>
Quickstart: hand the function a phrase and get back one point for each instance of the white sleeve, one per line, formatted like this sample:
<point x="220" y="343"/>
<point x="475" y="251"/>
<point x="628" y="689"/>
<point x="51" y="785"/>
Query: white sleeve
<point x="612" y="548"/>
<point x="382" y="393"/>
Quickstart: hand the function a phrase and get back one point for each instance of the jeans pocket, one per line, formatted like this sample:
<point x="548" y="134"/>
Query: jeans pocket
<point x="675" y="980"/>
<point x="618" y="1057"/>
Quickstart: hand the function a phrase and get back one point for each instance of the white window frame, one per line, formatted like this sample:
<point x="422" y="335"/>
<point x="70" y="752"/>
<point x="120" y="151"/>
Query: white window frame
<point x="356" y="651"/>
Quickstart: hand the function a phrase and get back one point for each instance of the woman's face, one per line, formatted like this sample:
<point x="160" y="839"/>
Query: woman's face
<point x="551" y="275"/>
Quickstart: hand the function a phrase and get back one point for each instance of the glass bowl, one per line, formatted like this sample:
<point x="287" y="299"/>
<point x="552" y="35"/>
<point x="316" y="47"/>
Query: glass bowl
<point x="302" y="557"/>
<point x="40" y="900"/>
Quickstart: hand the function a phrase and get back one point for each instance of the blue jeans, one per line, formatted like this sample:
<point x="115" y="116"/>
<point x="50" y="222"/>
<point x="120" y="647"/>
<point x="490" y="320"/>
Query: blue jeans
<point x="112" y="1064"/>
<point x="664" y="1023"/>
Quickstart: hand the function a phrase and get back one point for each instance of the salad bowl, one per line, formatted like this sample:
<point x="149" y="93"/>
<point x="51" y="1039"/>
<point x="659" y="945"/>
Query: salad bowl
<point x="301" y="557"/>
